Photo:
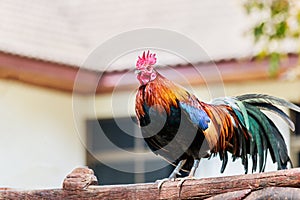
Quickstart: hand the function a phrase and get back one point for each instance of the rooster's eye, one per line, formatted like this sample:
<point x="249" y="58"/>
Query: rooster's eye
<point x="149" y="68"/>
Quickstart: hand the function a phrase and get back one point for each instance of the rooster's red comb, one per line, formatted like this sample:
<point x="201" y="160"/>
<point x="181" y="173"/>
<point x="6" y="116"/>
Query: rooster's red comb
<point x="146" y="59"/>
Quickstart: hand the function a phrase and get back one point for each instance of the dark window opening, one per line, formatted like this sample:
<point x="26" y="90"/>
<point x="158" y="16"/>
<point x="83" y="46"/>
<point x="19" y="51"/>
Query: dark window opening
<point x="110" y="130"/>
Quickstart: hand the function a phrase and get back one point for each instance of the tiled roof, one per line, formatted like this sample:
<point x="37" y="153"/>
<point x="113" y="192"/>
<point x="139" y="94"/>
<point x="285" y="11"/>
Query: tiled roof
<point x="67" y="31"/>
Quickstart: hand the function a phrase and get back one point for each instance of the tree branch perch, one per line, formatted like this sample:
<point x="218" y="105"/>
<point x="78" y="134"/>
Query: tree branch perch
<point x="281" y="184"/>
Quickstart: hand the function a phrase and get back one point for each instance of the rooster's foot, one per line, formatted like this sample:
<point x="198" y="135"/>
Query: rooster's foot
<point x="162" y="181"/>
<point x="182" y="180"/>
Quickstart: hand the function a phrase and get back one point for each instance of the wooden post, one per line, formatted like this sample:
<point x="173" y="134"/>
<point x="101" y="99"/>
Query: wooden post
<point x="279" y="184"/>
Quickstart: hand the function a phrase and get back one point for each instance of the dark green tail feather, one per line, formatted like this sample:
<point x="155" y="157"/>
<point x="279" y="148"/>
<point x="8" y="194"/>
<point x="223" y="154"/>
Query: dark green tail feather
<point x="269" y="132"/>
<point x="224" y="158"/>
<point x="270" y="136"/>
<point x="263" y="98"/>
<point x="277" y="111"/>
<point x="256" y="144"/>
<point x="263" y="133"/>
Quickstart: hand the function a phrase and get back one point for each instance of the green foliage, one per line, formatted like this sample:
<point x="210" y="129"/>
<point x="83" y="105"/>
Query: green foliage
<point x="276" y="22"/>
<point x="274" y="63"/>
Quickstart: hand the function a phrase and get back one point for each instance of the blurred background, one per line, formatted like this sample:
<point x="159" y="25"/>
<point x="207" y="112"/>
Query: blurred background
<point x="253" y="44"/>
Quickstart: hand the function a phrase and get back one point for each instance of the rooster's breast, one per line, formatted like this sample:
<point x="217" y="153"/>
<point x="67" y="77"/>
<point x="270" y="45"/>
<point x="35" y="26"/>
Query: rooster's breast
<point x="168" y="134"/>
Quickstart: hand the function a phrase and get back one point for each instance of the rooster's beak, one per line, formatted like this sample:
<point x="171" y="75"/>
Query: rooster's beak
<point x="137" y="71"/>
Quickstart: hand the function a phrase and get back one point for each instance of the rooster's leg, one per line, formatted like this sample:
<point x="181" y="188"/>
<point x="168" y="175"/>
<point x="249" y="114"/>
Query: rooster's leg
<point x="172" y="175"/>
<point x="193" y="170"/>
<point x="191" y="174"/>
<point x="177" y="169"/>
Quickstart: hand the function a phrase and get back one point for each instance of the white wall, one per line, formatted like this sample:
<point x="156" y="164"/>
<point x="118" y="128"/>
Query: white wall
<point x="39" y="144"/>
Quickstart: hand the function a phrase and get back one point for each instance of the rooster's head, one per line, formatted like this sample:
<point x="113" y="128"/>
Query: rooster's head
<point x="144" y="68"/>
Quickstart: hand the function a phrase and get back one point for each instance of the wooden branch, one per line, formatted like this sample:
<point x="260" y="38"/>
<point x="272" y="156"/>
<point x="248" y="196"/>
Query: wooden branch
<point x="79" y="179"/>
<point x="275" y="193"/>
<point x="239" y="194"/>
<point x="266" y="193"/>
<point x="252" y="186"/>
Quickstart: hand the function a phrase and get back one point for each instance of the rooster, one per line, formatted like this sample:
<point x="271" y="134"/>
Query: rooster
<point x="182" y="129"/>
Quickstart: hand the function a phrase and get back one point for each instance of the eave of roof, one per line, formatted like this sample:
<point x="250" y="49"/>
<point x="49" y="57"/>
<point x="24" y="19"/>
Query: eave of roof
<point x="62" y="77"/>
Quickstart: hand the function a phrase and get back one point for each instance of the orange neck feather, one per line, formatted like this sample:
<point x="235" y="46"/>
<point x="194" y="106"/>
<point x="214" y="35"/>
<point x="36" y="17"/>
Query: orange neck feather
<point x="161" y="93"/>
